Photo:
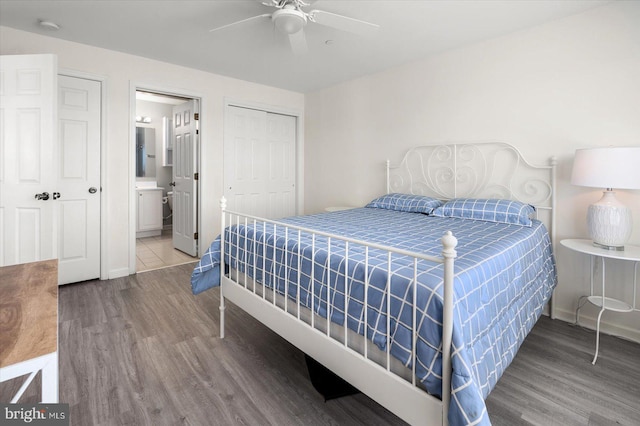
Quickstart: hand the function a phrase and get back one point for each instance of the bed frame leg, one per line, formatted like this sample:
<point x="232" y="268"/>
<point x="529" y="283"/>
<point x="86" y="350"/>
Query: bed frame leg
<point x="223" y="207"/>
<point x="221" y="315"/>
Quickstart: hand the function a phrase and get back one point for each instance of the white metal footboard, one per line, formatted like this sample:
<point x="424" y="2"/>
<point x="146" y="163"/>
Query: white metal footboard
<point x="405" y="398"/>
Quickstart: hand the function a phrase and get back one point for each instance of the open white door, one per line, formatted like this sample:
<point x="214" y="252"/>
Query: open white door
<point x="78" y="185"/>
<point x="28" y="171"/>
<point x="185" y="181"/>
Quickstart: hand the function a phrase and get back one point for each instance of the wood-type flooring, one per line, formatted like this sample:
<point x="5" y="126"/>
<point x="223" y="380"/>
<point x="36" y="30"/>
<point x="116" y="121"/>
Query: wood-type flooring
<point x="142" y="350"/>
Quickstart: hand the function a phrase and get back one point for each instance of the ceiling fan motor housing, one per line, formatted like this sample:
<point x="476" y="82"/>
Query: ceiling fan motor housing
<point x="289" y="20"/>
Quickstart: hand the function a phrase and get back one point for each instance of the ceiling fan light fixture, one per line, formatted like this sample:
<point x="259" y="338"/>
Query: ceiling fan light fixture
<point x="289" y="20"/>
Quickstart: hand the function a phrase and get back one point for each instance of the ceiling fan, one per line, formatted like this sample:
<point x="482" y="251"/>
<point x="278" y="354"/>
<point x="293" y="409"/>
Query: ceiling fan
<point x="290" y="19"/>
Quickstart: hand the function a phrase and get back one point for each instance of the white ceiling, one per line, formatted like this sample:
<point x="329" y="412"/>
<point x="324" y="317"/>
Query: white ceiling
<point x="178" y="32"/>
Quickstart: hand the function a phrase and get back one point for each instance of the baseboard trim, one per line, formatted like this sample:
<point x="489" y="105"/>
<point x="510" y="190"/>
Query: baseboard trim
<point x="117" y="273"/>
<point x="589" y="322"/>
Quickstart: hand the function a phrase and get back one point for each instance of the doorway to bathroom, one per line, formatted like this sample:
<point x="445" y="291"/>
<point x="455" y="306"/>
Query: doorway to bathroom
<point x="166" y="159"/>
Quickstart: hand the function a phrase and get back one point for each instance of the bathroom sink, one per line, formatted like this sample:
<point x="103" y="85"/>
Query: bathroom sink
<point x="146" y="184"/>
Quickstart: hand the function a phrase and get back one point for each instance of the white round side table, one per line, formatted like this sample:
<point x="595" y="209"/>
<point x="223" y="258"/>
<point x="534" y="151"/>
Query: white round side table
<point x="630" y="253"/>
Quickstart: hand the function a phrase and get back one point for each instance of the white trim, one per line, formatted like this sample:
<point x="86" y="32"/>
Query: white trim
<point x="104" y="211"/>
<point x="198" y="97"/>
<point x="293" y="112"/>
<point x="118" y="273"/>
<point x="589" y="322"/>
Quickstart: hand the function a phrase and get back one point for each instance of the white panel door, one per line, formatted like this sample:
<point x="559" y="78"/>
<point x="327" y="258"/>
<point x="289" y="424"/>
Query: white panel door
<point x="185" y="134"/>
<point x="27" y="158"/>
<point x="78" y="188"/>
<point x="259" y="162"/>
<point x="281" y="163"/>
<point x="245" y="170"/>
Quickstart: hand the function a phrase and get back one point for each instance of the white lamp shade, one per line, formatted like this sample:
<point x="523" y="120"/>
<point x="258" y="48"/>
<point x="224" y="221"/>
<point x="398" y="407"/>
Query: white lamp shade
<point x="610" y="167"/>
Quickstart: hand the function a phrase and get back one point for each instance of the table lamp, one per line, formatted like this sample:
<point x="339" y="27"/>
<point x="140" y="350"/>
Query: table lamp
<point x="609" y="221"/>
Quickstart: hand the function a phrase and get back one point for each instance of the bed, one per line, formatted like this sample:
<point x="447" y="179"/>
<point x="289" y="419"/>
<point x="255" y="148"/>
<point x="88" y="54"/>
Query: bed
<point x="421" y="298"/>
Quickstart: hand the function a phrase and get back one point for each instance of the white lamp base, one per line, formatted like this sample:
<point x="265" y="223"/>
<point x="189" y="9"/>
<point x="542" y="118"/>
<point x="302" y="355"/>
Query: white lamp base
<point x="609" y="222"/>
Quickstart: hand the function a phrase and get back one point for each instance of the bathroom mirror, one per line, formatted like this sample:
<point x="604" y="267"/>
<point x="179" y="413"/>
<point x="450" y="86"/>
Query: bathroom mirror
<point x="145" y="152"/>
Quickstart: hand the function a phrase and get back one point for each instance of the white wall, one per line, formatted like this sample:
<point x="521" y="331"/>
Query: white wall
<point x="572" y="83"/>
<point x="120" y="70"/>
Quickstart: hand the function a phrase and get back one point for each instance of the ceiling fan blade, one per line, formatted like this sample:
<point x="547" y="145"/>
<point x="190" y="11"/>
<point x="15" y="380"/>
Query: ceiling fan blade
<point x="280" y="4"/>
<point x="265" y="15"/>
<point x="298" y="43"/>
<point x="343" y="23"/>
<point x="268" y="2"/>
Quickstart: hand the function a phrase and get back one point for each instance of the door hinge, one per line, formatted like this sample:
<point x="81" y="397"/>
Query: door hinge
<point x="196" y="116"/>
<point x="197" y="132"/>
<point x="196" y="176"/>
<point x="195" y="235"/>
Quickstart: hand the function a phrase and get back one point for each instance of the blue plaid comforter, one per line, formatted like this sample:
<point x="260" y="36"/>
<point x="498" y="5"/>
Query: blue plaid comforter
<point x="505" y="274"/>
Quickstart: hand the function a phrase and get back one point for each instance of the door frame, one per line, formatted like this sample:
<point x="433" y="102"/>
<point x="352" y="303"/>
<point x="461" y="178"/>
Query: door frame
<point x="293" y="112"/>
<point x="163" y="90"/>
<point x="104" y="223"/>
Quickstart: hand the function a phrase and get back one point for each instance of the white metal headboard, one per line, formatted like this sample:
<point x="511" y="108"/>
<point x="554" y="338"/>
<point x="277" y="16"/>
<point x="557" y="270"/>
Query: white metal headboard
<point x="476" y="170"/>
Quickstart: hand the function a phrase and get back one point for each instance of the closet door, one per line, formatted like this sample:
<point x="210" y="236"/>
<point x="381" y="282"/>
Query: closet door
<point x="259" y="163"/>
<point x="281" y="177"/>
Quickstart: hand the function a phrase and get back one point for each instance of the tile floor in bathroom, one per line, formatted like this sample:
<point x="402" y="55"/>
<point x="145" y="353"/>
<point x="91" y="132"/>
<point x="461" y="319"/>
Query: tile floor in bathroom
<point x="158" y="252"/>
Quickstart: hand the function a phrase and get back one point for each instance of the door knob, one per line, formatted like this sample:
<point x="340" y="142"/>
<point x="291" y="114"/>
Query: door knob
<point x="44" y="196"/>
<point x="172" y="184"/>
<point x="93" y="190"/>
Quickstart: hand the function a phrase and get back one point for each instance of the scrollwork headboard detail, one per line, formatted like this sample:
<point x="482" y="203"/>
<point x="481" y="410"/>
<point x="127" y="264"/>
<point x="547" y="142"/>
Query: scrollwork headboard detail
<point x="475" y="170"/>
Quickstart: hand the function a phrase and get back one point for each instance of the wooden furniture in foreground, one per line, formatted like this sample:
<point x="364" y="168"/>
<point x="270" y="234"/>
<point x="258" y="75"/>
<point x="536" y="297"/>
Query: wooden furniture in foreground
<point x="29" y="325"/>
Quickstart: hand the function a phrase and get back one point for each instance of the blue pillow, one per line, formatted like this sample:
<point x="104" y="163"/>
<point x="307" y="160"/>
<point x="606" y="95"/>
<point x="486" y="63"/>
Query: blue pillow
<point x="405" y="203"/>
<point x="490" y="210"/>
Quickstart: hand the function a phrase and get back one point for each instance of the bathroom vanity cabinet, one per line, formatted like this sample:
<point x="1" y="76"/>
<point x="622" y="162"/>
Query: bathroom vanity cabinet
<point x="149" y="223"/>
